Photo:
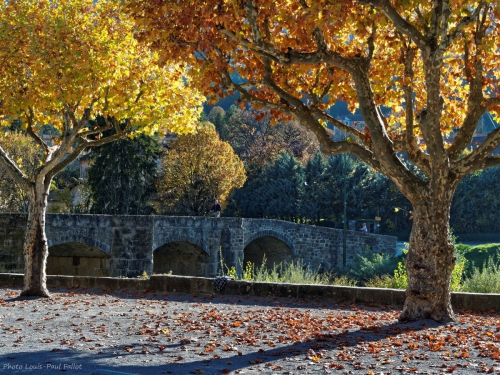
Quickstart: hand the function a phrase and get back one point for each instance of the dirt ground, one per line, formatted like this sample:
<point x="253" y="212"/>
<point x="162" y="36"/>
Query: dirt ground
<point x="96" y="332"/>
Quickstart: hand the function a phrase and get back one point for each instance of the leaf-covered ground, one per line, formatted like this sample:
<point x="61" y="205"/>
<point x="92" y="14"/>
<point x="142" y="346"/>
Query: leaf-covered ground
<point x="82" y="331"/>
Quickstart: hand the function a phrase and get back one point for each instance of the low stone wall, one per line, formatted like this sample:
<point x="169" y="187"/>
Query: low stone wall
<point x="184" y="284"/>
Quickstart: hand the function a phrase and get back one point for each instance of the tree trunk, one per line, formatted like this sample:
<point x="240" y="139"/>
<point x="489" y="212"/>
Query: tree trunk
<point x="430" y="262"/>
<point x="36" y="249"/>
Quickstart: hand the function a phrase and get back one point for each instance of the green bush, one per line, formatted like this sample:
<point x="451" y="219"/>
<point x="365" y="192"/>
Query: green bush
<point x="343" y="280"/>
<point x="370" y="265"/>
<point x="484" y="280"/>
<point x="400" y="278"/>
<point x="478" y="237"/>
<point x="293" y="272"/>
<point x="477" y="256"/>
<point x="398" y="281"/>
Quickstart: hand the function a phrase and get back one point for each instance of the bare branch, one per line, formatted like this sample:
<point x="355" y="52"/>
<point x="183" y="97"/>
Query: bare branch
<point x="477" y="159"/>
<point x="492" y="101"/>
<point x="85" y="134"/>
<point x="252" y="13"/>
<point x="327" y="88"/>
<point x="439" y="22"/>
<point x="30" y="119"/>
<point x="320" y="39"/>
<point x="475" y="103"/>
<point x="422" y="20"/>
<point x="492" y="161"/>
<point x="291" y="57"/>
<point x="84" y="143"/>
<point x="357" y="135"/>
<point x="410" y="145"/>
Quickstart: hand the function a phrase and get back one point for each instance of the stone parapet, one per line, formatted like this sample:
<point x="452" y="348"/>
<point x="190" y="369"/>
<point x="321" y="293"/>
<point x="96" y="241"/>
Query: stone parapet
<point x="183" y="284"/>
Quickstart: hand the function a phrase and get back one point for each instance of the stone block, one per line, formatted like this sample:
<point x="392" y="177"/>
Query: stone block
<point x="476" y="301"/>
<point x="58" y="281"/>
<point x="12" y="279"/>
<point x="158" y="282"/>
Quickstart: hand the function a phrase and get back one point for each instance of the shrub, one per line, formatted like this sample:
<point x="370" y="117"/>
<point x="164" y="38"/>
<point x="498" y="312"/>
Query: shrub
<point x="371" y="265"/>
<point x="343" y="280"/>
<point x="293" y="272"/>
<point x="458" y="273"/>
<point x="477" y="256"/>
<point x="398" y="281"/>
<point x="484" y="280"/>
<point x="400" y="278"/>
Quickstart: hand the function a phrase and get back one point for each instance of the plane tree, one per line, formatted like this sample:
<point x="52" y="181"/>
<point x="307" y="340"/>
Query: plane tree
<point x="63" y="63"/>
<point x="433" y="63"/>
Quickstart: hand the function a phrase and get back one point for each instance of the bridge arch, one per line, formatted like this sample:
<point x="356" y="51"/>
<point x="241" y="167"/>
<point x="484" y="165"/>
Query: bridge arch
<point x="70" y="237"/>
<point x="180" y="257"/>
<point x="269" y="243"/>
<point x="77" y="259"/>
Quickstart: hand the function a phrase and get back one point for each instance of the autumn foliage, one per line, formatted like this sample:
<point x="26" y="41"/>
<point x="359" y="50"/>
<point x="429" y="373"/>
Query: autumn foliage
<point x="433" y="64"/>
<point x="63" y="63"/>
<point x="197" y="169"/>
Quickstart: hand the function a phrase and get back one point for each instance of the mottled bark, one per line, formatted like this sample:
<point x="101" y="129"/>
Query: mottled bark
<point x="430" y="261"/>
<point x="36" y="248"/>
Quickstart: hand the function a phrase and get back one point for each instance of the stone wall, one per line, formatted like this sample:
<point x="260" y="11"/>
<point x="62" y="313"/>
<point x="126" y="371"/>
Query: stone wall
<point x="182" y="284"/>
<point x="12" y="228"/>
<point x="127" y="246"/>
<point x="320" y="247"/>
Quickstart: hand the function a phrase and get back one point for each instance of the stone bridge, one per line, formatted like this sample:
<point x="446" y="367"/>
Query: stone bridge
<point x="106" y="245"/>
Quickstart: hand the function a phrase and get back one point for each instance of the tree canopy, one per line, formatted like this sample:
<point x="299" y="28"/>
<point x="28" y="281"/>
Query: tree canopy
<point x="433" y="63"/>
<point x="255" y="141"/>
<point x="64" y="63"/>
<point x="197" y="169"/>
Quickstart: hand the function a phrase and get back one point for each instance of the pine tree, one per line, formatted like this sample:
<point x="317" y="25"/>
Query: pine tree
<point x="121" y="176"/>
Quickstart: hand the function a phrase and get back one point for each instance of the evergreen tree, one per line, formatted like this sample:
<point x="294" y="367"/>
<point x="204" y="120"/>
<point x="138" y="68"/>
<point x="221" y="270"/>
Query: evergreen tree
<point x="121" y="176"/>
<point x="286" y="188"/>
<point x="315" y="189"/>
<point x="476" y="203"/>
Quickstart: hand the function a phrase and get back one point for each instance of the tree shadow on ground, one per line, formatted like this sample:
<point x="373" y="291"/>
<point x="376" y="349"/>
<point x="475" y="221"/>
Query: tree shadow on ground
<point x="136" y="358"/>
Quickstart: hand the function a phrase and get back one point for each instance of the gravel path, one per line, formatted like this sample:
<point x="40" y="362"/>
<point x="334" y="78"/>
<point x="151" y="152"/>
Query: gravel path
<point x="95" y="332"/>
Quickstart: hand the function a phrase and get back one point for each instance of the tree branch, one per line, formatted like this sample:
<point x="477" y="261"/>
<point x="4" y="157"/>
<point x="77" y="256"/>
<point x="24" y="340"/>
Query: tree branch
<point x="462" y="24"/>
<point x="291" y="57"/>
<point x="14" y="170"/>
<point x="439" y="23"/>
<point x="492" y="161"/>
<point x="371" y="42"/>
<point x="475" y="103"/>
<point x="84" y="143"/>
<point x="411" y="147"/>
<point x="400" y="23"/>
<point x="30" y="119"/>
<point x="477" y="159"/>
